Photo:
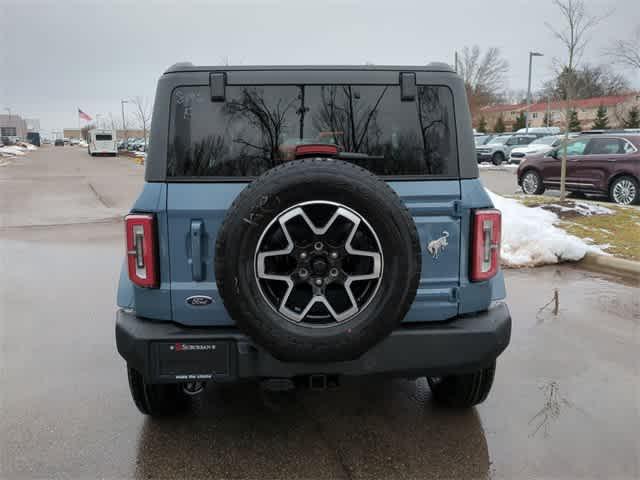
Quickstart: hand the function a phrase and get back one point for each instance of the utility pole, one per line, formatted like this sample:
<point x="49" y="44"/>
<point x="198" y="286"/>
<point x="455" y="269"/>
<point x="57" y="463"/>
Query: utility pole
<point x="531" y="55"/>
<point x="124" y="125"/>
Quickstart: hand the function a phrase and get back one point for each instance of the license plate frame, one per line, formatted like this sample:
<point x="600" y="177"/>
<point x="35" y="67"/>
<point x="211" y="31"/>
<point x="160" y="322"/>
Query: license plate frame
<point x="187" y="360"/>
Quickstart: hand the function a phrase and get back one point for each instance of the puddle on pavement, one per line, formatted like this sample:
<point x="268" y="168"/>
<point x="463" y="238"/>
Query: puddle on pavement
<point x="565" y="401"/>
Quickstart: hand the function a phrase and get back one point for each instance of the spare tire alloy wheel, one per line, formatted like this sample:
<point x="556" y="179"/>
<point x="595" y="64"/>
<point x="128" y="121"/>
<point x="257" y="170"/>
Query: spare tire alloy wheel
<point x="317" y="260"/>
<point x="327" y="267"/>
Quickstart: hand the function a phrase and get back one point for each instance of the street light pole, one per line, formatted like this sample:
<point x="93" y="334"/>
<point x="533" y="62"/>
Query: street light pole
<point x="124" y="126"/>
<point x="531" y="55"/>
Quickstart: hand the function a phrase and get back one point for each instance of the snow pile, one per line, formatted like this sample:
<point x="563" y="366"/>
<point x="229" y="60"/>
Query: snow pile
<point x="530" y="238"/>
<point x="12" y="151"/>
<point x="82" y="143"/>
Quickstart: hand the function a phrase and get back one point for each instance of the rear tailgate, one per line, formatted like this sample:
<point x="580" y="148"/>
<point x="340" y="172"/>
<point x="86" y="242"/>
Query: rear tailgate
<point x="195" y="212"/>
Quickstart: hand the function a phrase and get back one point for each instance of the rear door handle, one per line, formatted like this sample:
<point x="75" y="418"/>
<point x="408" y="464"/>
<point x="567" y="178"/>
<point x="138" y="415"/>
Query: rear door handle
<point x="196" y="250"/>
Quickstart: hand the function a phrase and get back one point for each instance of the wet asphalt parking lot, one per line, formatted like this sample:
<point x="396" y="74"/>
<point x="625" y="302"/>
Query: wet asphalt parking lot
<point x="565" y="403"/>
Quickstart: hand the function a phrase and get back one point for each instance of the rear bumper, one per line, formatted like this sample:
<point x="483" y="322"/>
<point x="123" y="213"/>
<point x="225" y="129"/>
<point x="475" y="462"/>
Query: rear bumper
<point x="167" y="352"/>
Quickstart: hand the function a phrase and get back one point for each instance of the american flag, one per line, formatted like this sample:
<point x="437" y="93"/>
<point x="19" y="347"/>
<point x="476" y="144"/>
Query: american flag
<point x="84" y="116"/>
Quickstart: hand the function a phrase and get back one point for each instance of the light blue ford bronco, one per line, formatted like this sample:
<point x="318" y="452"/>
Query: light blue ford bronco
<point x="302" y="224"/>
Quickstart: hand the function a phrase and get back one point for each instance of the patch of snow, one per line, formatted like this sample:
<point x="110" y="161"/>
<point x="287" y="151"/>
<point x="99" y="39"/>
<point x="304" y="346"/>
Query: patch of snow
<point x="583" y="208"/>
<point x="530" y="238"/>
<point x="12" y="150"/>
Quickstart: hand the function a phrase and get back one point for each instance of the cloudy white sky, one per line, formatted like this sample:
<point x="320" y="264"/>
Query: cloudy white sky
<point x="58" y="55"/>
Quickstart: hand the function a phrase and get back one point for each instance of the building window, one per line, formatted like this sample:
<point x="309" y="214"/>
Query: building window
<point x="534" y="115"/>
<point x="8" y="131"/>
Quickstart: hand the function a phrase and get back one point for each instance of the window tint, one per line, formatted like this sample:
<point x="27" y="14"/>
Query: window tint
<point x="525" y="140"/>
<point x="604" y="146"/>
<point x="103" y="137"/>
<point x="577" y="147"/>
<point x="259" y="127"/>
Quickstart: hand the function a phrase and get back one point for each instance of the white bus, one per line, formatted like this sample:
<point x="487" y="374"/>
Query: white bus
<point x="102" y="142"/>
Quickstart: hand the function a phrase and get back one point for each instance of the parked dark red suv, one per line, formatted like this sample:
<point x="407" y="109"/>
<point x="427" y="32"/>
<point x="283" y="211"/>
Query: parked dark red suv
<point x="608" y="164"/>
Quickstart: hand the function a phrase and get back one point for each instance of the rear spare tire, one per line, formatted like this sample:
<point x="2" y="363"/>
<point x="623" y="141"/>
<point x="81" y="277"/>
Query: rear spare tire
<point x="317" y="260"/>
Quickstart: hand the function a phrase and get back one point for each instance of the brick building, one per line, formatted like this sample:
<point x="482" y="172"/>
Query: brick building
<point x="617" y="108"/>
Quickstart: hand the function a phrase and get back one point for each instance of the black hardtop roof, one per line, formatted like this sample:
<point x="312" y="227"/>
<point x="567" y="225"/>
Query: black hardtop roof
<point x="431" y="67"/>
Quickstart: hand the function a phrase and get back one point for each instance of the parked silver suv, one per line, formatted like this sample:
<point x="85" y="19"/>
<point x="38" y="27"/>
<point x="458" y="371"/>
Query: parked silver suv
<point x="499" y="149"/>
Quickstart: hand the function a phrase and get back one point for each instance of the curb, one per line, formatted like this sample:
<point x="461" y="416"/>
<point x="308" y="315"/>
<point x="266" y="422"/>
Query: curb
<point x="610" y="264"/>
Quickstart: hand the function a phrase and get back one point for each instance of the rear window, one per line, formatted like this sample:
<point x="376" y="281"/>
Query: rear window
<point x="103" y="137"/>
<point x="259" y="127"/>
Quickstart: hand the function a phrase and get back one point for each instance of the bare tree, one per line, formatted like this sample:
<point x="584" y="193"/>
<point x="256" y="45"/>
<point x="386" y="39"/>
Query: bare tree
<point x="344" y="110"/>
<point x="573" y="34"/>
<point x="483" y="73"/>
<point x="270" y="119"/>
<point x="588" y="81"/>
<point x="626" y="52"/>
<point x="142" y="115"/>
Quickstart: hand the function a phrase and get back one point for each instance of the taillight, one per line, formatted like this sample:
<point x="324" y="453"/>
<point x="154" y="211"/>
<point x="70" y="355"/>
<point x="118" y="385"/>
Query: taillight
<point x="485" y="253"/>
<point x="142" y="249"/>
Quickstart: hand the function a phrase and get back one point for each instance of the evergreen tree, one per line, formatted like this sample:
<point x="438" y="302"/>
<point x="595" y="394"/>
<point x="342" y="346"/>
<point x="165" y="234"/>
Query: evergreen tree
<point x="482" y="125"/>
<point x="633" y="118"/>
<point x="602" y="121"/>
<point x="521" y="122"/>
<point x="574" y="123"/>
<point x="499" y="126"/>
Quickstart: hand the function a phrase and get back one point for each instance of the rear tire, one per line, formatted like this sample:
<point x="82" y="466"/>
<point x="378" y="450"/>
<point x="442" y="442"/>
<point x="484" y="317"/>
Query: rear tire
<point x="497" y="158"/>
<point x="625" y="191"/>
<point x="156" y="400"/>
<point x="532" y="183"/>
<point x="463" y="391"/>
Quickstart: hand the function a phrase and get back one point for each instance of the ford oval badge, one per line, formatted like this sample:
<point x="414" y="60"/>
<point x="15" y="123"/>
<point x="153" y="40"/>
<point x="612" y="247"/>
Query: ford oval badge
<point x="199" y="300"/>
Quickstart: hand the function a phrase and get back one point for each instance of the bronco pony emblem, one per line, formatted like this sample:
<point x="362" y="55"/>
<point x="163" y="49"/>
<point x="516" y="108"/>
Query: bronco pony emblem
<point x="437" y="246"/>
